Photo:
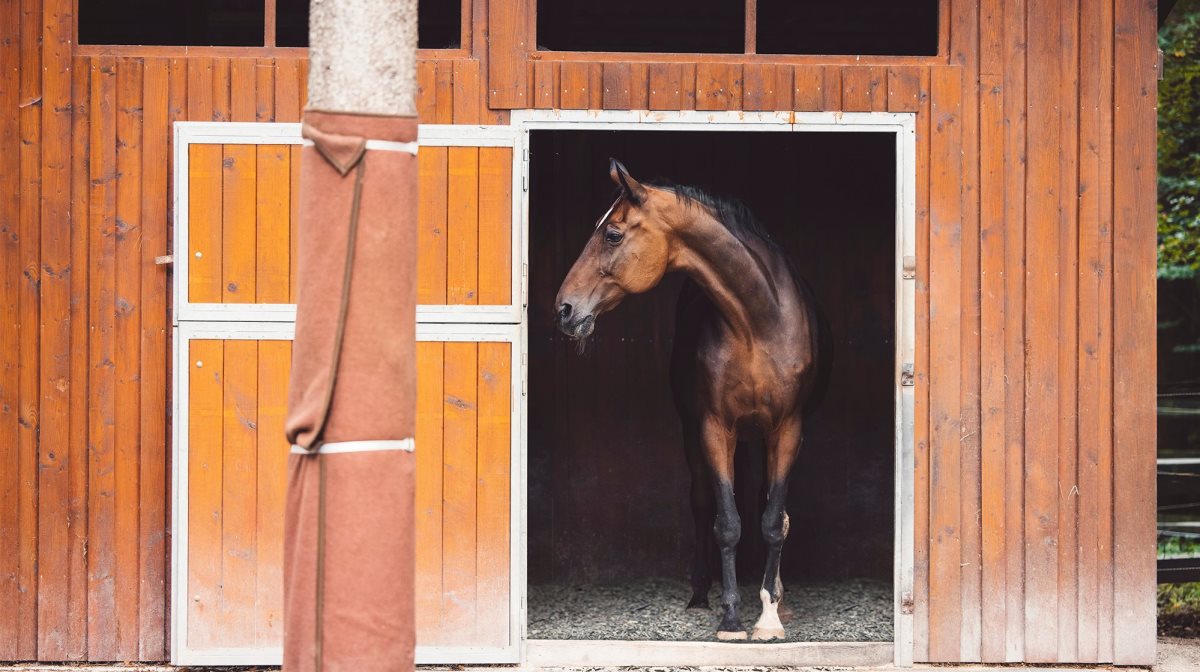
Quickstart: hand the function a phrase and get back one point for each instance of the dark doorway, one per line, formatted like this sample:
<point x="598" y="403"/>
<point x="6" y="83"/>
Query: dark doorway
<point x="608" y="485"/>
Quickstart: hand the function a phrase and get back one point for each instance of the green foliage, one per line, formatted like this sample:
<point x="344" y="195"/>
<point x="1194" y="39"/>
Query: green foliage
<point x="1179" y="144"/>
<point x="1178" y="598"/>
<point x="1178" y="547"/>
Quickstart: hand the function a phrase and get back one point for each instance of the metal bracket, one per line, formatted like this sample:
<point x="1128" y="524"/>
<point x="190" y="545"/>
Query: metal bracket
<point x="909" y="270"/>
<point x="907" y="375"/>
<point x="906" y="603"/>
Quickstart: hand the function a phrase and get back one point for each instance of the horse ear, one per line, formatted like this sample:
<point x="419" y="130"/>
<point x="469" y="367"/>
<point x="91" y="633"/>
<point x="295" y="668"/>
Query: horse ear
<point x="632" y="189"/>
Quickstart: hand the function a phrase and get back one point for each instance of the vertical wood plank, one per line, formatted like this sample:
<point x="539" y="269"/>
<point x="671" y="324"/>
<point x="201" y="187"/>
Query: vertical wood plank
<point x="77" y="516"/>
<point x="288" y="104"/>
<point x="831" y="89"/>
<point x="444" y="84"/>
<point x="237" y="224"/>
<point x="293" y="219"/>
<point x="199" y="88"/>
<point x="466" y="92"/>
<point x="1042" y="525"/>
<point x="507" y="47"/>
<point x="274" y="364"/>
<point x="426" y="91"/>
<point x="152" y="378"/>
<point x="595" y="86"/>
<point x="921" y="382"/>
<point x="462" y="226"/>
<point x="864" y="88"/>
<point x="758" y="86"/>
<point x="127" y="234"/>
<point x="54" y="363"/>
<point x="665" y="86"/>
<point x="492" y="519"/>
<point x="573" y="88"/>
<point x="10" y="190"/>
<point x="639" y="85"/>
<point x="904" y="89"/>
<point x="545" y="85"/>
<point x="28" y="230"/>
<point x="945" y="311"/>
<point x="617" y="77"/>
<point x="809" y="88"/>
<point x="264" y="89"/>
<point x="718" y="86"/>
<point x="459" y="476"/>
<point x="687" y="84"/>
<point x="204" y="223"/>
<point x="239" y="495"/>
<point x="429" y="419"/>
<point x="1134" y="341"/>
<point x="495" y="225"/>
<point x="1014" y="101"/>
<point x="205" y="512"/>
<point x="221" y="95"/>
<point x="243" y="97"/>
<point x="101" y="552"/>
<point x="273" y="266"/>
<point x="433" y="190"/>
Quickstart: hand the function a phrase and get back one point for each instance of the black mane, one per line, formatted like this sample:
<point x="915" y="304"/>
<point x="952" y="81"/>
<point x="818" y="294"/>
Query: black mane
<point x="731" y="212"/>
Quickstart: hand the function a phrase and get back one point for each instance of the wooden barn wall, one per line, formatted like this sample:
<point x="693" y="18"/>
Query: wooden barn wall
<point x="1035" y="313"/>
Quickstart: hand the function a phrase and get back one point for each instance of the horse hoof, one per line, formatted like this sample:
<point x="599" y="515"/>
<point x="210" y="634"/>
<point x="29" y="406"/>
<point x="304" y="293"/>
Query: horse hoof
<point x="767" y="634"/>
<point x="729" y="636"/>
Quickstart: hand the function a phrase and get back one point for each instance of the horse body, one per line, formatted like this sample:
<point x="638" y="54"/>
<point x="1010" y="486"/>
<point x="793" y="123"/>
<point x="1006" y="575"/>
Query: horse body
<point x="744" y="363"/>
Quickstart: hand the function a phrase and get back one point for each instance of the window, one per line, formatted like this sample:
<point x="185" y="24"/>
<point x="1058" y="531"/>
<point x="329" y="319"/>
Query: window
<point x="236" y="23"/>
<point x="662" y="26"/>
<point x="231" y="23"/>
<point x="865" y="27"/>
<point x="439" y="24"/>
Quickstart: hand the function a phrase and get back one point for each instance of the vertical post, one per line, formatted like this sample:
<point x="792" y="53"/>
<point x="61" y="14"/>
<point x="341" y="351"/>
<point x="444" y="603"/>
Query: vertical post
<point x="751" y="26"/>
<point x="269" y="22"/>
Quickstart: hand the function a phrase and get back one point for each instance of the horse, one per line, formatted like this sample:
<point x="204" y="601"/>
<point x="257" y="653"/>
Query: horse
<point x="746" y="363"/>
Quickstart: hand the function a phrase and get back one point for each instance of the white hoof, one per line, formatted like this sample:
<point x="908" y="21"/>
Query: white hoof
<point x="727" y="636"/>
<point x="768" y="626"/>
<point x="768" y="634"/>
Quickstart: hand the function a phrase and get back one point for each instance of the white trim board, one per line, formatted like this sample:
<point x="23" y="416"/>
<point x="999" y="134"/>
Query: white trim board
<point x="903" y="126"/>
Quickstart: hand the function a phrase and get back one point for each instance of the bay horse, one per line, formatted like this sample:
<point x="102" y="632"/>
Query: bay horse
<point x="745" y="365"/>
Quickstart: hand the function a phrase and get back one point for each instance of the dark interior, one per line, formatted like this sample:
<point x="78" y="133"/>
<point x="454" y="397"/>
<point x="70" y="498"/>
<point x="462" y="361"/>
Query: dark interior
<point x="867" y="27"/>
<point x="235" y="23"/>
<point x="608" y="484"/>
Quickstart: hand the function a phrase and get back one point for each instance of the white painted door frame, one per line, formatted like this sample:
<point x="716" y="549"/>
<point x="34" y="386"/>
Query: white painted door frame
<point x="903" y="127"/>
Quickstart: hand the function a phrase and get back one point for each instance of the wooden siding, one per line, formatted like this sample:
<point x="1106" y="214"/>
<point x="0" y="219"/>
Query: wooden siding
<point x="1035" y="492"/>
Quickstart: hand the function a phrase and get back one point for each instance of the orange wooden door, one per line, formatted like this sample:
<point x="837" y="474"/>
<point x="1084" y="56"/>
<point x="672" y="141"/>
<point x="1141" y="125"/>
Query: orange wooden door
<point x="233" y="351"/>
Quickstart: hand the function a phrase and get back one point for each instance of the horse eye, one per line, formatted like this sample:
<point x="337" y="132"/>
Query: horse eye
<point x="613" y="237"/>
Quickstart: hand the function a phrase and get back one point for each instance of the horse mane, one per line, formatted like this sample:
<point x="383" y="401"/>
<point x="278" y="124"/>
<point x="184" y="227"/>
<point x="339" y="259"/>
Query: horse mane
<point x="731" y="212"/>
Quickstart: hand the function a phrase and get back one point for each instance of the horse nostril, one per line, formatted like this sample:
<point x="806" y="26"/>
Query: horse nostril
<point x="564" y="312"/>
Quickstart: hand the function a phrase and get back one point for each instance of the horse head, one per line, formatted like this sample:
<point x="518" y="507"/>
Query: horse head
<point x="628" y="253"/>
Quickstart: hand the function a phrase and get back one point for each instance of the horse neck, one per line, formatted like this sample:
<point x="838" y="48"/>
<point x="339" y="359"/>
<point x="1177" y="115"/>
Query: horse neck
<point x="735" y="278"/>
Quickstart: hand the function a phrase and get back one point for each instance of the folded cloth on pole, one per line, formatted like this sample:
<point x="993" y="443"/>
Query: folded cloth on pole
<point x="348" y="536"/>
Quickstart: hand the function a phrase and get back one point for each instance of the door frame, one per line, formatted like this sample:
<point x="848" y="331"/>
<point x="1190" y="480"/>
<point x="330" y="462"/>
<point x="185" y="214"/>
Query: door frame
<point x="903" y="126"/>
<point x="448" y="323"/>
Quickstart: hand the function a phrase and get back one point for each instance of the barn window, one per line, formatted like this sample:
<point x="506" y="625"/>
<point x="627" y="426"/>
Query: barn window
<point x="866" y="27"/>
<point x="230" y="23"/>
<point x="686" y="26"/>
<point x="439" y="24"/>
<point x="237" y="23"/>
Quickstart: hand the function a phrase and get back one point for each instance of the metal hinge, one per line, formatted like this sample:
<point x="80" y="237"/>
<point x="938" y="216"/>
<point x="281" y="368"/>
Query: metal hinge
<point x="909" y="269"/>
<point x="907" y="374"/>
<point x="524" y="368"/>
<point x="906" y="603"/>
<point x="525" y="169"/>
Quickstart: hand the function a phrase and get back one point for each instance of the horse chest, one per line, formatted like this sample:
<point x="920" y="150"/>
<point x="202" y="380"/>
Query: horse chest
<point x="752" y="386"/>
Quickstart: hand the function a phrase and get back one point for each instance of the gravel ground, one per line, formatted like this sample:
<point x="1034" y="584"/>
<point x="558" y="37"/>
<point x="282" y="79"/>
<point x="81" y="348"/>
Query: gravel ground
<point x="843" y="611"/>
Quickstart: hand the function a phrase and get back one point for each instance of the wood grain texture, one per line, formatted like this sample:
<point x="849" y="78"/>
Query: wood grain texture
<point x="495" y="225"/>
<point x="429" y="531"/>
<point x="493" y="573"/>
<point x="462" y="226"/>
<point x="507" y="45"/>
<point x="272" y="235"/>
<point x="459" y="496"/>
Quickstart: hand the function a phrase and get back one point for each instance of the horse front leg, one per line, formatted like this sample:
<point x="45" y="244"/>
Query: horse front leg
<point x="719" y="445"/>
<point x="703" y="513"/>
<point x="782" y="448"/>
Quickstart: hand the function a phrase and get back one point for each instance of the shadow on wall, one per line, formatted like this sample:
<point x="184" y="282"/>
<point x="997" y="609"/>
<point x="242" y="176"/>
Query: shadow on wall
<point x="608" y="484"/>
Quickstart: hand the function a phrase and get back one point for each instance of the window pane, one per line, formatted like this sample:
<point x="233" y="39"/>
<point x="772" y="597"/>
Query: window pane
<point x="439" y="24"/>
<point x="856" y="28"/>
<point x="233" y="23"/>
<point x="662" y="26"/>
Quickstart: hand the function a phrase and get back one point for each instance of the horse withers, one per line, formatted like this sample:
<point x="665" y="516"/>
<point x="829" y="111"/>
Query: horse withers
<point x="745" y="364"/>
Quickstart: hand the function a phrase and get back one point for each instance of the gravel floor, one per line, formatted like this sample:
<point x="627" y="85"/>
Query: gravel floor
<point x="844" y="611"/>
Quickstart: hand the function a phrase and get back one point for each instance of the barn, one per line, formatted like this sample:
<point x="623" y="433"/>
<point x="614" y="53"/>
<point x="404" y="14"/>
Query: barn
<point x="969" y="184"/>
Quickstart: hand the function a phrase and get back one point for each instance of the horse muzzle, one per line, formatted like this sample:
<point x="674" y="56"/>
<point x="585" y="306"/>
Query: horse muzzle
<point x="576" y="327"/>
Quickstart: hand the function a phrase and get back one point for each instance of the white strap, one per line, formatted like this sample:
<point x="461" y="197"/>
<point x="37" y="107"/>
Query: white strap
<point x="384" y="146"/>
<point x="358" y="447"/>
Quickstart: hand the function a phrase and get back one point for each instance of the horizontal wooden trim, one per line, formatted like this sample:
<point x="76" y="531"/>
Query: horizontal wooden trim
<point x="173" y="51"/>
<point x="783" y="59"/>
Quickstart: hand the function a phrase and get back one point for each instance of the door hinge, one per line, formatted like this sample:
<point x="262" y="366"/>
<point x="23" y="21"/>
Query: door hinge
<point x="907" y="374"/>
<point x="906" y="603"/>
<point x="525" y="169"/>
<point x="909" y="269"/>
